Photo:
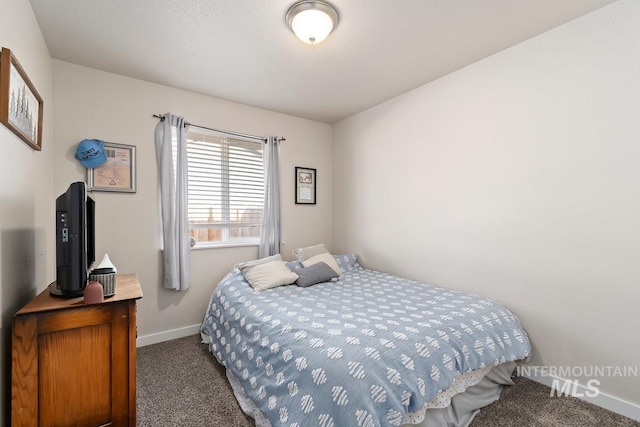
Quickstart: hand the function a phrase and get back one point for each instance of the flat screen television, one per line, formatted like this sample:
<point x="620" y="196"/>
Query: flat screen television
<point x="75" y="241"/>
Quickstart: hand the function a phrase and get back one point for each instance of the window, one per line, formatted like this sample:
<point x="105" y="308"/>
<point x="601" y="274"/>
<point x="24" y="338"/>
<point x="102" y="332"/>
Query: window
<point x="226" y="189"/>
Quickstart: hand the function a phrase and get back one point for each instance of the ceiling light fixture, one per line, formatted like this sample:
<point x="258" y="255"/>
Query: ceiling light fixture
<point x="312" y="20"/>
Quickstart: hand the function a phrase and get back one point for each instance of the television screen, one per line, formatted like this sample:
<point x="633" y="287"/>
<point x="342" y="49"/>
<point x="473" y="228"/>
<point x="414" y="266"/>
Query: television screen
<point x="75" y="241"/>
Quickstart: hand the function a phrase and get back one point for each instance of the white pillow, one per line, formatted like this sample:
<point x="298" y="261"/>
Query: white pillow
<point x="303" y="254"/>
<point x="327" y="258"/>
<point x="269" y="275"/>
<point x="250" y="264"/>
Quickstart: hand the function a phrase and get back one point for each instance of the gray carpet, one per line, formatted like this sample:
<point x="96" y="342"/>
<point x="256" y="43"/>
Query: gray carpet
<point x="181" y="384"/>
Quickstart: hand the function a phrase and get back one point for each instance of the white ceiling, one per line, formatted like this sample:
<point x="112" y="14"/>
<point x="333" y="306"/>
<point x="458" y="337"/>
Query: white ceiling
<point x="242" y="50"/>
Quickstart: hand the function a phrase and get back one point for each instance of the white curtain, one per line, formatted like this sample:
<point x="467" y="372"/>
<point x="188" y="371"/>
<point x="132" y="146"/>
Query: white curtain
<point x="171" y="153"/>
<point x="270" y="235"/>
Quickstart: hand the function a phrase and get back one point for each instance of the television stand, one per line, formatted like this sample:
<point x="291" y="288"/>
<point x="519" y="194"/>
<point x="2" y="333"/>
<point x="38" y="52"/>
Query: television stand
<point x="75" y="364"/>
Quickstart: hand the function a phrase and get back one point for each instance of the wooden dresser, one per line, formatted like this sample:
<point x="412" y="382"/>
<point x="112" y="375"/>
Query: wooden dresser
<point x="75" y="364"/>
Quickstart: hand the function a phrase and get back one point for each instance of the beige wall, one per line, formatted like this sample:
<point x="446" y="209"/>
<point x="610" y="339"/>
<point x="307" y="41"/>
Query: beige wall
<point x="26" y="188"/>
<point x="95" y="104"/>
<point x="517" y="178"/>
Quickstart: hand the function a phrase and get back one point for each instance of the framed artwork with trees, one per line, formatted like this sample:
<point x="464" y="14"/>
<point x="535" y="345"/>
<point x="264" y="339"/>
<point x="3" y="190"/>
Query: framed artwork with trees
<point x="20" y="102"/>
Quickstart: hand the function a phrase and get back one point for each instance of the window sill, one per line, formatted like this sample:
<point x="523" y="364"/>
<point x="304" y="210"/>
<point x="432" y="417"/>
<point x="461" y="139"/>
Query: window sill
<point x="223" y="245"/>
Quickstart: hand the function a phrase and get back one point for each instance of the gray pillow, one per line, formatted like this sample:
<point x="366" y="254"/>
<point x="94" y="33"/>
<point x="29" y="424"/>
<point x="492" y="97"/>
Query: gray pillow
<point x="316" y="273"/>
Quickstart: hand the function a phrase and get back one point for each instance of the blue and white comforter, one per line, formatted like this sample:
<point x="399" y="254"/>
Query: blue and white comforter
<point x="363" y="351"/>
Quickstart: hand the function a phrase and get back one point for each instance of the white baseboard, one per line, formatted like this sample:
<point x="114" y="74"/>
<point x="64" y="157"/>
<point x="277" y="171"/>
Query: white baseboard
<point x="172" y="334"/>
<point x="603" y="400"/>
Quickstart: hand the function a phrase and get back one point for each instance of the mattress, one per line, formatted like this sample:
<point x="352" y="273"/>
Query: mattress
<point x="369" y="349"/>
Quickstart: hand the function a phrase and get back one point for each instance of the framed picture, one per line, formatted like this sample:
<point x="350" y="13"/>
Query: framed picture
<point x="118" y="173"/>
<point x="20" y="102"/>
<point x="305" y="186"/>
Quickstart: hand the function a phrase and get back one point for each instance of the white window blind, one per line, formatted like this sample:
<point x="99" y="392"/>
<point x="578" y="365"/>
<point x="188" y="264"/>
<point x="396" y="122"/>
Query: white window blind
<point x="226" y="188"/>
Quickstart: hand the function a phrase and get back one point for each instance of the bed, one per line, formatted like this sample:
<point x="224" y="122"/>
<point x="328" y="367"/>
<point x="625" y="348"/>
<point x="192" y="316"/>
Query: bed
<point x="363" y="349"/>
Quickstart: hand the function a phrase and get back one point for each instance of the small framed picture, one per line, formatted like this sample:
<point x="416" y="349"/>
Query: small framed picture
<point x="305" y="186"/>
<point x="20" y="103"/>
<point x="118" y="173"/>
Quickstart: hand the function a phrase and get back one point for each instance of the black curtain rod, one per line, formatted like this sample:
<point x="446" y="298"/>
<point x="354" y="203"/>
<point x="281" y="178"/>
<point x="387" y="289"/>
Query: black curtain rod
<point x="243" y="135"/>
